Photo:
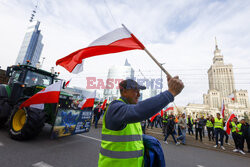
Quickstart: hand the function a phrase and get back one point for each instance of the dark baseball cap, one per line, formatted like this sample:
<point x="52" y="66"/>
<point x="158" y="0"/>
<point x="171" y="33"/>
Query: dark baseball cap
<point x="130" y="84"/>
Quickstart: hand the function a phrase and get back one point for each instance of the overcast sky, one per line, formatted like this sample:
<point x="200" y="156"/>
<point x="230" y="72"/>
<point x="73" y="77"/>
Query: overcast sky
<point x="178" y="33"/>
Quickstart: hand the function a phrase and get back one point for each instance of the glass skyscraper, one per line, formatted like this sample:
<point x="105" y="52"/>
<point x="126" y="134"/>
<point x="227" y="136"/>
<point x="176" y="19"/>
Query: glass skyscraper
<point x="32" y="45"/>
<point x="120" y="73"/>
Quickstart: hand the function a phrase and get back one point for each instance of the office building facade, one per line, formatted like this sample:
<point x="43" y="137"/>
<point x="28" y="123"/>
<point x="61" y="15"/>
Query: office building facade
<point x="32" y="45"/>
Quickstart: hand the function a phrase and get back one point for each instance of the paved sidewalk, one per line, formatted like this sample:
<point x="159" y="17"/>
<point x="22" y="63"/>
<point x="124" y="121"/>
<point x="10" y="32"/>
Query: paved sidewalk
<point x="190" y="140"/>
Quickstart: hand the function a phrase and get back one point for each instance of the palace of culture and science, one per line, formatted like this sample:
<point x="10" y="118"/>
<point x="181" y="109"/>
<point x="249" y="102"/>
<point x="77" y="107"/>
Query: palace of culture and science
<point x="221" y="89"/>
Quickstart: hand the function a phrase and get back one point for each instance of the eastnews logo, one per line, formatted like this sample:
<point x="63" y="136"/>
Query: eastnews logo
<point x="113" y="83"/>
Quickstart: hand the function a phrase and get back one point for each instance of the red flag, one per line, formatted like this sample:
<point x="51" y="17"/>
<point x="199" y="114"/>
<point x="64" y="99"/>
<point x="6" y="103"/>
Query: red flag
<point x="48" y="95"/>
<point x="162" y="113"/>
<point x="116" y="41"/>
<point x="227" y="129"/>
<point x="67" y="83"/>
<point x="169" y="108"/>
<point x="88" y="101"/>
<point x="104" y="104"/>
<point x="153" y="117"/>
<point x="223" y="109"/>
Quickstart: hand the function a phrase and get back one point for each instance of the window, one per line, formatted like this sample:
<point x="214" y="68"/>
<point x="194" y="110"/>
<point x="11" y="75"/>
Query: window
<point x="34" y="78"/>
<point x="16" y="75"/>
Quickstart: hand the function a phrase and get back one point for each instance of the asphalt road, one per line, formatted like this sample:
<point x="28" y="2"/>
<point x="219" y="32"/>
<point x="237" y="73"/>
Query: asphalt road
<point x="82" y="151"/>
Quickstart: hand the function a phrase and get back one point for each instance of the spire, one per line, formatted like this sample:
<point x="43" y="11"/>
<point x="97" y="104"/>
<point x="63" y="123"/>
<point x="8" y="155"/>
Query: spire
<point x="126" y="63"/>
<point x="33" y="12"/>
<point x="217" y="50"/>
<point x="218" y="58"/>
<point x="216" y="45"/>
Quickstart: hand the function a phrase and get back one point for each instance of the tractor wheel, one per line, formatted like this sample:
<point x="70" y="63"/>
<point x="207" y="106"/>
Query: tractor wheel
<point x="26" y="123"/>
<point x="4" y="112"/>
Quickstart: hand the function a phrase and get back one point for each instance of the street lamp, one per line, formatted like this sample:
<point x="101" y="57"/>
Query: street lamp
<point x="161" y="77"/>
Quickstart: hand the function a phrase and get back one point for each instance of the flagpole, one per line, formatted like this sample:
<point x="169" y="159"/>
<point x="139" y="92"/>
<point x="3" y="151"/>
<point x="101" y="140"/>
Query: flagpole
<point x="159" y="64"/>
<point x="54" y="120"/>
<point x="152" y="57"/>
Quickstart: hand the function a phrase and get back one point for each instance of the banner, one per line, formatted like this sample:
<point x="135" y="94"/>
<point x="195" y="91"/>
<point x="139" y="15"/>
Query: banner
<point x="71" y="121"/>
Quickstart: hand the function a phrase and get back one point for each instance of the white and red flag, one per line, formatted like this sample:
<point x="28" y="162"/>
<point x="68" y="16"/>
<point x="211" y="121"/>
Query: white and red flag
<point x="49" y="94"/>
<point x="231" y="97"/>
<point x="170" y="107"/>
<point x="67" y="83"/>
<point x="118" y="40"/>
<point x="226" y="128"/>
<point x="88" y="101"/>
<point x="223" y="109"/>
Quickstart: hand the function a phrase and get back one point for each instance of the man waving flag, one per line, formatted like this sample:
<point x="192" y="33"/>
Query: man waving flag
<point x="116" y="41"/>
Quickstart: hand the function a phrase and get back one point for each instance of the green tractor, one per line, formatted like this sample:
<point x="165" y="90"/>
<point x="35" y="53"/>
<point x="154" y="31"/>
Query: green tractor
<point x="24" y="82"/>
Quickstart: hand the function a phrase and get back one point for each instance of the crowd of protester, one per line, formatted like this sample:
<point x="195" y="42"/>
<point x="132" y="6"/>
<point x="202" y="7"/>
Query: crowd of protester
<point x="177" y="126"/>
<point x="211" y="127"/>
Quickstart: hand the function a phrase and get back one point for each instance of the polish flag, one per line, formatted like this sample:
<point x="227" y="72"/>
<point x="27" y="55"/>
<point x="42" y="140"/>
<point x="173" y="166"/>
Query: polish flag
<point x="153" y="117"/>
<point x="223" y="109"/>
<point x="170" y="107"/>
<point x="48" y="95"/>
<point x="226" y="128"/>
<point x="231" y="96"/>
<point x="67" y="83"/>
<point x="88" y="101"/>
<point x="118" y="40"/>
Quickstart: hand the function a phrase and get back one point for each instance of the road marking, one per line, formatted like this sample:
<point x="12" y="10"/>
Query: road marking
<point x="200" y="166"/>
<point x="1" y="144"/>
<point x="41" y="164"/>
<point x="89" y="137"/>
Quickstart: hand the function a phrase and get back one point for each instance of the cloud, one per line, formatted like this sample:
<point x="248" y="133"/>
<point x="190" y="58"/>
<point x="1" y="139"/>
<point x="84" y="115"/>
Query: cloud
<point x="178" y="33"/>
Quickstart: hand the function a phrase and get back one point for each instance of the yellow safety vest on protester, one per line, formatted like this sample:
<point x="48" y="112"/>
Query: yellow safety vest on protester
<point x="122" y="148"/>
<point x="218" y="123"/>
<point x="209" y="124"/>
<point x="233" y="127"/>
<point x="239" y="128"/>
<point x="191" y="120"/>
<point x="165" y="120"/>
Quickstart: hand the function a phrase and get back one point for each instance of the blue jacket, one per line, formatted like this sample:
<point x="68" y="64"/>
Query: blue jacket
<point x="154" y="156"/>
<point x="120" y="114"/>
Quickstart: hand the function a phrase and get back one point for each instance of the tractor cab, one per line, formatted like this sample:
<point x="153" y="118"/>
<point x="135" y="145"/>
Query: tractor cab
<point x="26" y="80"/>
